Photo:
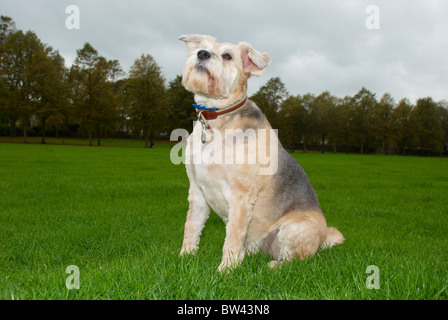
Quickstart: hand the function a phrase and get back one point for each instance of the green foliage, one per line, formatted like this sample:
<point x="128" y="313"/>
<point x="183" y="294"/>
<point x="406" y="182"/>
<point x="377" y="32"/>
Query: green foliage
<point x="429" y="130"/>
<point x="22" y="75"/>
<point x="358" y="123"/>
<point x="146" y="98"/>
<point x="382" y="119"/>
<point x="269" y="98"/>
<point x="292" y="120"/>
<point x="180" y="100"/>
<point x="363" y="104"/>
<point x="93" y="92"/>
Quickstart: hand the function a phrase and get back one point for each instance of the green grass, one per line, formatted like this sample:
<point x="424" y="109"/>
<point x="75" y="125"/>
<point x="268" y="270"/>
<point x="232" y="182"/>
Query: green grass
<point x="118" y="215"/>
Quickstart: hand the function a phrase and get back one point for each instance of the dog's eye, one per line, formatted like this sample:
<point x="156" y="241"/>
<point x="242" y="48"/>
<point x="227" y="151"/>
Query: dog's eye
<point x="227" y="56"/>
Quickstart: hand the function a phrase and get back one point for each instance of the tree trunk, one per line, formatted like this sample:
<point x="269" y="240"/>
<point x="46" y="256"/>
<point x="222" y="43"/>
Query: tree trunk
<point x="151" y="138"/>
<point x="43" y="131"/>
<point x="25" y="134"/>
<point x="90" y="136"/>
<point x="146" y="139"/>
<point x="98" y="134"/>
<point x="13" y="127"/>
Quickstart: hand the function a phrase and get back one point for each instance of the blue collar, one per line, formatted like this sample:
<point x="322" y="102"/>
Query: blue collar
<point x="198" y="106"/>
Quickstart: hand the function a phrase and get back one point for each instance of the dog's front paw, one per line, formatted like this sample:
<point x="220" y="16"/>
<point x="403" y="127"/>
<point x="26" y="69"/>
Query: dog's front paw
<point x="228" y="265"/>
<point x="187" y="251"/>
<point x="225" y="267"/>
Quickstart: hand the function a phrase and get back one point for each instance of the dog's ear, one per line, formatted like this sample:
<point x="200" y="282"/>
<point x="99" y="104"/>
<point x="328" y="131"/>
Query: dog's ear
<point x="254" y="62"/>
<point x="194" y="41"/>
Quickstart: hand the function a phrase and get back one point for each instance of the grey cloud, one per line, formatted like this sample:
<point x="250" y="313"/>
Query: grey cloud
<point x="315" y="45"/>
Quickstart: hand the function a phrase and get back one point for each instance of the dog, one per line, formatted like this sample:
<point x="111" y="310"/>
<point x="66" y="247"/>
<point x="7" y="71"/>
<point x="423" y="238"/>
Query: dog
<point x="277" y="212"/>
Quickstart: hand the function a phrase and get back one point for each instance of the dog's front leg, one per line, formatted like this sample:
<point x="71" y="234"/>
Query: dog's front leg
<point x="197" y="215"/>
<point x="240" y="214"/>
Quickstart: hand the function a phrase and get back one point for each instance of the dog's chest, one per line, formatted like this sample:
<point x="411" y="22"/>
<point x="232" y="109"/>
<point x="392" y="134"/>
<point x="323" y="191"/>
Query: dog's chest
<point x="208" y="173"/>
<point x="215" y="191"/>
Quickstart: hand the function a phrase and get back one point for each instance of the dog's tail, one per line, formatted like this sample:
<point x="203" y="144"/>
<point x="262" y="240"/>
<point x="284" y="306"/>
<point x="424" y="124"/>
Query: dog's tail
<point x="334" y="237"/>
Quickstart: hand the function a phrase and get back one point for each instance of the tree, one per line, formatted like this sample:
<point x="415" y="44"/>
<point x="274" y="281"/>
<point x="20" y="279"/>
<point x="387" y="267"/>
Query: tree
<point x="180" y="100"/>
<point x="145" y="91"/>
<point x="382" y="121"/>
<point x="106" y="115"/>
<point x="21" y="73"/>
<point x="443" y="116"/>
<point x="295" y="120"/>
<point x="269" y="98"/>
<point x="322" y="114"/>
<point x="427" y="125"/>
<point x="339" y="130"/>
<point x="93" y="92"/>
<point x="403" y="127"/>
<point x="31" y="76"/>
<point x="290" y="121"/>
<point x="363" y="104"/>
<point x="307" y="121"/>
<point x="7" y="26"/>
<point x="51" y="89"/>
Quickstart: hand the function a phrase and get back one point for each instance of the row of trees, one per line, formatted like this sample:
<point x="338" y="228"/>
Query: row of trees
<point x="359" y="123"/>
<point x="91" y="98"/>
<point x="95" y="98"/>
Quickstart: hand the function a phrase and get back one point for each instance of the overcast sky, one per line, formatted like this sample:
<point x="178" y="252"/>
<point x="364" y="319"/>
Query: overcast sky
<point x="315" y="45"/>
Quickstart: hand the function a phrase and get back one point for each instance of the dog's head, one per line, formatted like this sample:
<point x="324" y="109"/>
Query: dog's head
<point x="220" y="70"/>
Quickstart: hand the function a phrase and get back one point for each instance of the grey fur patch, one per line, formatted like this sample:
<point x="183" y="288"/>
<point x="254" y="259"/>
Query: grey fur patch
<point x="293" y="189"/>
<point x="268" y="241"/>
<point x="252" y="111"/>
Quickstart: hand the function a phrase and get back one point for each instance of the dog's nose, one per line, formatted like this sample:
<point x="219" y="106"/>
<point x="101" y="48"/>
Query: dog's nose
<point x="203" y="55"/>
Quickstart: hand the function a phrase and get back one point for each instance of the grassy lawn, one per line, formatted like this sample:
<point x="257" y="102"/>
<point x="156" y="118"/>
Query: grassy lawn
<point x="118" y="215"/>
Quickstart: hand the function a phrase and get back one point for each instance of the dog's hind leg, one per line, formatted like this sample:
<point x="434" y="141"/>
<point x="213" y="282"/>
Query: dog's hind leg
<point x="298" y="234"/>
